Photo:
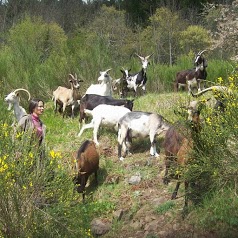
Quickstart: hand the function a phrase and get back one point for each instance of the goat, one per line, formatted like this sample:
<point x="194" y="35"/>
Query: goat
<point x="217" y="102"/>
<point x="103" y="114"/>
<point x="67" y="96"/>
<point x="178" y="144"/>
<point x="124" y="82"/>
<point x="104" y="88"/>
<point x="13" y="100"/>
<point x="142" y="124"/>
<point x="90" y="101"/>
<point x="87" y="163"/>
<point x="197" y="78"/>
<point x="192" y="77"/>
<point x="133" y="81"/>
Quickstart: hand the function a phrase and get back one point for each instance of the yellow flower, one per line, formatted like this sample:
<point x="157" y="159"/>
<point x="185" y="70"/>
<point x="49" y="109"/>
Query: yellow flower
<point x="220" y="80"/>
<point x="31" y="155"/>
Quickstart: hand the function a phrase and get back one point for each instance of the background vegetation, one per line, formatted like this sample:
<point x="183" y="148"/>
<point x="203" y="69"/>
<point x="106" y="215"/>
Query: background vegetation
<point x="43" y="41"/>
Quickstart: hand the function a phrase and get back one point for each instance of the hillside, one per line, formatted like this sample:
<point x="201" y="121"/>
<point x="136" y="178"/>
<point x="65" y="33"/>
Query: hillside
<point x="140" y="210"/>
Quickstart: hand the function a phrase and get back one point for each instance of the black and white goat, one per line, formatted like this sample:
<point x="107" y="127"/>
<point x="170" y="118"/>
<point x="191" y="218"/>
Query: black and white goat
<point x="133" y="81"/>
<point x="140" y="124"/>
<point x="193" y="78"/>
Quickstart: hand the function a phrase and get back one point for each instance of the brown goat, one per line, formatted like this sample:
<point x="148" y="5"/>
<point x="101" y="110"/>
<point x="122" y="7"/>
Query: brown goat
<point x="178" y="145"/>
<point x="87" y="163"/>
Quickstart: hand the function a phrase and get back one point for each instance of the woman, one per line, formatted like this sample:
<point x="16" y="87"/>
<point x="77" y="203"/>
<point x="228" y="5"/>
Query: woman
<point x="32" y="124"/>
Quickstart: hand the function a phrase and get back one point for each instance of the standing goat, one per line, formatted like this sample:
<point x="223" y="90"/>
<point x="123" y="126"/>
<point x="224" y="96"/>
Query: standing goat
<point x="90" y="101"/>
<point x="133" y="81"/>
<point x="87" y="163"/>
<point x="178" y="145"/>
<point x="13" y="99"/>
<point x="104" y="88"/>
<point x="106" y="115"/>
<point x="140" y="124"/>
<point x="197" y="78"/>
<point x="67" y="96"/>
<point x="193" y="77"/>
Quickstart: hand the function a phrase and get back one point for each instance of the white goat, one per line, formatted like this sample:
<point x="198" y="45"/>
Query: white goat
<point x="67" y="96"/>
<point x="107" y="115"/>
<point x="140" y="124"/>
<point x="13" y="99"/>
<point x="104" y="88"/>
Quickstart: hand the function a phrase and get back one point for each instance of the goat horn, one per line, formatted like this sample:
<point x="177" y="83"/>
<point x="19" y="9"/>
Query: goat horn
<point x="142" y="58"/>
<point x="201" y="52"/>
<point x="148" y="56"/>
<point x="71" y="76"/>
<point x="216" y="88"/>
<point x="22" y="89"/>
<point x="108" y="70"/>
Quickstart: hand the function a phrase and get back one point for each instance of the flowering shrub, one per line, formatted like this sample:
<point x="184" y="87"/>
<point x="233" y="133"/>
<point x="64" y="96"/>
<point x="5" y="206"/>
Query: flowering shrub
<point x="36" y="191"/>
<point x="213" y="167"/>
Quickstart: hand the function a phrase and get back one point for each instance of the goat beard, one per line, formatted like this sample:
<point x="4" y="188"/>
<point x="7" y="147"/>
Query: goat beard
<point x="9" y="106"/>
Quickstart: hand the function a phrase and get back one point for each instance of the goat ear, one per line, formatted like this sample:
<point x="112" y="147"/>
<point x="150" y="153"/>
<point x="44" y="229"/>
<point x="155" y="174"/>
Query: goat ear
<point x="129" y="70"/>
<point x="121" y="70"/>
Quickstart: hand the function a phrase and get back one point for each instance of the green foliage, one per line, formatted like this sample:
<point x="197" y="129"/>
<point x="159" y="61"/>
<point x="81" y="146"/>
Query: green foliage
<point x="218" y="213"/>
<point x="194" y="37"/>
<point x="163" y="208"/>
<point x="213" y="167"/>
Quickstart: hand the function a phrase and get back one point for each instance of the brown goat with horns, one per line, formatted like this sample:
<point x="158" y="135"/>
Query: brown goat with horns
<point x="178" y="146"/>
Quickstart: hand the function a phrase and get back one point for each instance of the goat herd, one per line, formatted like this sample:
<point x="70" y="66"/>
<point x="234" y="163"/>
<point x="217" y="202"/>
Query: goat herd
<point x="108" y="111"/>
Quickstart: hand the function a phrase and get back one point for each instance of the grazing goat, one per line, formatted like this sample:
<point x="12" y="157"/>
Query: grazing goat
<point x="141" y="124"/>
<point x="217" y="102"/>
<point x="90" y="101"/>
<point x="13" y="100"/>
<point x="193" y="77"/>
<point x="87" y="163"/>
<point x="133" y="81"/>
<point x="104" y="88"/>
<point x="178" y="144"/>
<point x="67" y="96"/>
<point x="103" y="114"/>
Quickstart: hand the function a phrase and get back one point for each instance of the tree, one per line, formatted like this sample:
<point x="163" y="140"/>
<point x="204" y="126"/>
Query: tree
<point x="162" y="34"/>
<point x="194" y="38"/>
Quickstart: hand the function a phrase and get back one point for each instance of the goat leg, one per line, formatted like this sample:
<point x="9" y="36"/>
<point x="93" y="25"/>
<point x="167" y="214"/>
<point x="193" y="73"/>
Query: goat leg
<point x="174" y="195"/>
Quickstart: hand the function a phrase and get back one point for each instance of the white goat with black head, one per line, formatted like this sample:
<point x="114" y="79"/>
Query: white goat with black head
<point x="105" y="86"/>
<point x="13" y="99"/>
<point x="133" y="81"/>
<point x="67" y="96"/>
